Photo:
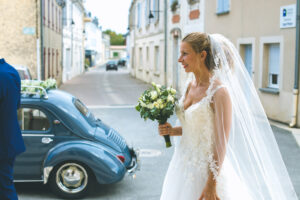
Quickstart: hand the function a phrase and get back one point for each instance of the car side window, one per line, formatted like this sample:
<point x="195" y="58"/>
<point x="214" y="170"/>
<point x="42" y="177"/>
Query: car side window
<point x="32" y="119"/>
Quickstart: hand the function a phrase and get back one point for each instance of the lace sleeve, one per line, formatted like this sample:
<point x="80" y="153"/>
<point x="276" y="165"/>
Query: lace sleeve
<point x="223" y="116"/>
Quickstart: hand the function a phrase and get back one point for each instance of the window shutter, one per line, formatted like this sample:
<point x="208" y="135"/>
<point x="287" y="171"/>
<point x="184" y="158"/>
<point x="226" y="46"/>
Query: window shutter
<point x="226" y="5"/>
<point x="248" y="58"/>
<point x="220" y="6"/>
<point x="138" y="15"/>
<point x="274" y="59"/>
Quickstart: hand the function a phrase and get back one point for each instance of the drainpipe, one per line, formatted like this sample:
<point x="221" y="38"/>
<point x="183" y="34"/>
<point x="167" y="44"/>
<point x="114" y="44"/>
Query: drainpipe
<point x="42" y="75"/>
<point x="166" y="40"/>
<point x="296" y="81"/>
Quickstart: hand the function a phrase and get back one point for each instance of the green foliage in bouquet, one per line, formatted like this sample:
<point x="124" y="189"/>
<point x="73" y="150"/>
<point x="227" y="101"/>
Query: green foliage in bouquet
<point x="47" y="85"/>
<point x="157" y="103"/>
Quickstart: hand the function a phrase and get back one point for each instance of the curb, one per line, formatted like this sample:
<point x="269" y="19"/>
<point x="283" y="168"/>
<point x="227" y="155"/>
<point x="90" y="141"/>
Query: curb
<point x="295" y="131"/>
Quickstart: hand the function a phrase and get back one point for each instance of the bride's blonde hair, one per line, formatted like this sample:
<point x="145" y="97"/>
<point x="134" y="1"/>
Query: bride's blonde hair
<point x="201" y="42"/>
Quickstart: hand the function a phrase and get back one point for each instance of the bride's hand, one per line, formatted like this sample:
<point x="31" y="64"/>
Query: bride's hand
<point x="164" y="129"/>
<point x="209" y="193"/>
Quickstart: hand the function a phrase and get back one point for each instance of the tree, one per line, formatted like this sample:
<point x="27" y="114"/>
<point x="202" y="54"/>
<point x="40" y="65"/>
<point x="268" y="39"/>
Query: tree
<point x="115" y="39"/>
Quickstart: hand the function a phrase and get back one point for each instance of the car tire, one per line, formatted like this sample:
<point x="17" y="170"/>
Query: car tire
<point x="71" y="180"/>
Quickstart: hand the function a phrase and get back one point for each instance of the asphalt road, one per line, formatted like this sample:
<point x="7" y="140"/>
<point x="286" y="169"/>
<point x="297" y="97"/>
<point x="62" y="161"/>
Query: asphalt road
<point x="111" y="96"/>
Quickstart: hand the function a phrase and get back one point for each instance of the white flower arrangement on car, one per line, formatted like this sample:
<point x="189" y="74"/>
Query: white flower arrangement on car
<point x="31" y="86"/>
<point x="158" y="103"/>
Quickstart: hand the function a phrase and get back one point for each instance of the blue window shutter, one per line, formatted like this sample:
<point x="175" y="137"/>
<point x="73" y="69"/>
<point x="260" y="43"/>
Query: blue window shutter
<point x="248" y="58"/>
<point x="226" y="5"/>
<point x="138" y="15"/>
<point x="220" y="6"/>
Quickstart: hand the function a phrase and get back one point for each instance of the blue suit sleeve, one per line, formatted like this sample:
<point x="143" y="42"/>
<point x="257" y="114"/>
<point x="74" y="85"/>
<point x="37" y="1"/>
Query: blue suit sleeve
<point x="2" y="87"/>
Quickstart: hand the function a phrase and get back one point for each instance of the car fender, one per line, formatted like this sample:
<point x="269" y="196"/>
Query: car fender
<point x="106" y="167"/>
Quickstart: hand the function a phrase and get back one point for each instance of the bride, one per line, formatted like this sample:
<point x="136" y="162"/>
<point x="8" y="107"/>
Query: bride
<point x="227" y="150"/>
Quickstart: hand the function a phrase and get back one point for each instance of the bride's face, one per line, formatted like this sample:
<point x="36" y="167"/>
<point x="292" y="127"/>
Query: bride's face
<point x="189" y="58"/>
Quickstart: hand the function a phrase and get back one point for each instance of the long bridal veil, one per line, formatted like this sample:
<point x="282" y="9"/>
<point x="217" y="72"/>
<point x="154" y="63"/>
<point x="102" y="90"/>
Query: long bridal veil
<point x="251" y="150"/>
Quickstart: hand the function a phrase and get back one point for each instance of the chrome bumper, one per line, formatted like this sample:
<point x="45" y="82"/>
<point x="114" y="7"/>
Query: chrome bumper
<point x="135" y="162"/>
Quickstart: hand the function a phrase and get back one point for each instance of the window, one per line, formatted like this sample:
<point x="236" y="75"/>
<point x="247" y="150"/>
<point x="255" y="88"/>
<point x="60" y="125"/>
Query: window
<point x="147" y="54"/>
<point x="138" y="15"/>
<point x="43" y="11"/>
<point x="64" y="17"/>
<point x="140" y="58"/>
<point x="57" y="54"/>
<point x="246" y="53"/>
<point x="53" y="9"/>
<point x="49" y="56"/>
<point x="31" y="119"/>
<point x="52" y="70"/>
<point x="147" y="12"/>
<point x="81" y="107"/>
<point x="155" y="7"/>
<point x="223" y="6"/>
<point x="49" y="13"/>
<point x="273" y="65"/>
<point x="44" y="61"/>
<point x="156" y="54"/>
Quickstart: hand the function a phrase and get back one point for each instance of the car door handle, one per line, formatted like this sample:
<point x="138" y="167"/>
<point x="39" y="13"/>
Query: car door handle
<point x="46" y="140"/>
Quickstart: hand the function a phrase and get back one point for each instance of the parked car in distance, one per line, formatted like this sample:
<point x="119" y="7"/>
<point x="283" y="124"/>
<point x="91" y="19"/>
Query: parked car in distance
<point x="67" y="147"/>
<point x="112" y="65"/>
<point x="122" y="62"/>
<point x="23" y="71"/>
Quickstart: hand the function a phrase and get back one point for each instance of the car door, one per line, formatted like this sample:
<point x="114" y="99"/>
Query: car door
<point x="39" y="138"/>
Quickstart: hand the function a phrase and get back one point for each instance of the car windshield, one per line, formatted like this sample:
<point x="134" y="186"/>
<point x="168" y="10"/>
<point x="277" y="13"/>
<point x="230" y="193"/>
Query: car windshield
<point x="84" y="111"/>
<point x="112" y="62"/>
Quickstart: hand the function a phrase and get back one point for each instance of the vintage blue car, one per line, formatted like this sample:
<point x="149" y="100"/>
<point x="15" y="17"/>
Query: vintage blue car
<point x="67" y="147"/>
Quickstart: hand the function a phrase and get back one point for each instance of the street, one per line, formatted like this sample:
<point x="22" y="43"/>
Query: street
<point x="111" y="96"/>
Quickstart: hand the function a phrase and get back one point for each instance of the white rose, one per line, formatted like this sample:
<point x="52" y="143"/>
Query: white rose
<point x="153" y="95"/>
<point x="173" y="91"/>
<point x="161" y="106"/>
<point x="170" y="99"/>
<point x="150" y="106"/>
<point x="155" y="104"/>
<point x="143" y="104"/>
<point x="158" y="85"/>
<point x="159" y="101"/>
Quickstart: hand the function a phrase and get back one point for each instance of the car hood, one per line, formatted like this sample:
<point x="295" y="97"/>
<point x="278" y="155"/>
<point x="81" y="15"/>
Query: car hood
<point x="110" y="137"/>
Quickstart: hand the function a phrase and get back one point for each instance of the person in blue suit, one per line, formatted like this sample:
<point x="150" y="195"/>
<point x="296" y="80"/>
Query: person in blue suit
<point x="11" y="141"/>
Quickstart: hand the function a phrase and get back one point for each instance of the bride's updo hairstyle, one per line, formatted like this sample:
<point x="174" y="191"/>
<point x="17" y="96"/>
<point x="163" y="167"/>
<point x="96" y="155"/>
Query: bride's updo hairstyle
<point x="201" y="42"/>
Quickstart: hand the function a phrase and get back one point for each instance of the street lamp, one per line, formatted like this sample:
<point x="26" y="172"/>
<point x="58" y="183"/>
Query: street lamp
<point x="151" y="16"/>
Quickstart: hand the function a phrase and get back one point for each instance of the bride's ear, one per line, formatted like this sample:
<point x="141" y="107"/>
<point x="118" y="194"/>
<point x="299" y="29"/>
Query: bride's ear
<point x="203" y="55"/>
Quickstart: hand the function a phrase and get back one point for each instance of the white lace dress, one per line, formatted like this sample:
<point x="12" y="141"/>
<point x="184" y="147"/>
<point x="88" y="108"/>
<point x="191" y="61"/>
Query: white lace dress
<point x="193" y="157"/>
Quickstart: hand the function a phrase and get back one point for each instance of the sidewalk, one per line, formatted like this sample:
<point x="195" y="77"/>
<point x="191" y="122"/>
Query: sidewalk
<point x="295" y="131"/>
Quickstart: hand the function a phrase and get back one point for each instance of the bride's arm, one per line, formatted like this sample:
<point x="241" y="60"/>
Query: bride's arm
<point x="223" y="117"/>
<point x="167" y="129"/>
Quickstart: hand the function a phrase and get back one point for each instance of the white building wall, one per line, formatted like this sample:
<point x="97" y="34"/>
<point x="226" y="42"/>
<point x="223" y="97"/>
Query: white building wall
<point x="146" y="38"/>
<point x="93" y="41"/>
<point x="73" y="51"/>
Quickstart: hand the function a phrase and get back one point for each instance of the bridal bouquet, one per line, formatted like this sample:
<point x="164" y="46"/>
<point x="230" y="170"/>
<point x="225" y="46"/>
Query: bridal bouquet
<point x="157" y="103"/>
<point x="47" y="85"/>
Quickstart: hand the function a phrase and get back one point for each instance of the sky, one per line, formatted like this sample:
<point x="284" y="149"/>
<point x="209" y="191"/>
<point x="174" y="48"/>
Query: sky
<point x="112" y="14"/>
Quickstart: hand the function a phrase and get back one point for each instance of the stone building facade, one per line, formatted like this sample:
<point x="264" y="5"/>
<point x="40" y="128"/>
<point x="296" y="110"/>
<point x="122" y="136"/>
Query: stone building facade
<point x="31" y="36"/>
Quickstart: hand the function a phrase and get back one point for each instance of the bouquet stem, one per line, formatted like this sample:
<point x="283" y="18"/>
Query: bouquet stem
<point x="166" y="137"/>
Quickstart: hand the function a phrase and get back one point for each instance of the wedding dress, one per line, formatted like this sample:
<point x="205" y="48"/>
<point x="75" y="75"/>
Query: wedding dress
<point x="193" y="158"/>
<point x="252" y="167"/>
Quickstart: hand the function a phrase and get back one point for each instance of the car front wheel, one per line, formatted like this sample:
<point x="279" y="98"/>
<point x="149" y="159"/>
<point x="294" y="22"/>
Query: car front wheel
<point x="71" y="180"/>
